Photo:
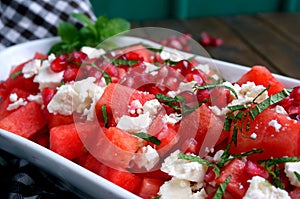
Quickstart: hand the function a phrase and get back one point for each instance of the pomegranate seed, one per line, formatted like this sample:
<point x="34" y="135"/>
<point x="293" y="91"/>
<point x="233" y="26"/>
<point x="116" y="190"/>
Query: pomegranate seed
<point x="133" y="56"/>
<point x="184" y="67"/>
<point x="60" y="63"/>
<point x="202" y="95"/>
<point x="47" y="94"/>
<point x="205" y="39"/>
<point x="112" y="70"/>
<point x="151" y="88"/>
<point x="295" y="94"/>
<point x="217" y="42"/>
<point x="190" y="98"/>
<point x="70" y="74"/>
<point x="77" y="57"/>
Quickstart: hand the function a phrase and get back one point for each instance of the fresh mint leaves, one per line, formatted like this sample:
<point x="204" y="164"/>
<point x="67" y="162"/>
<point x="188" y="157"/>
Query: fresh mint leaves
<point x="91" y="34"/>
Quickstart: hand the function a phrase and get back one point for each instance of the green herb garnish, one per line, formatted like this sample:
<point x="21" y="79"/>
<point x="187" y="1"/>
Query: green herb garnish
<point x="148" y="138"/>
<point x="273" y="99"/>
<point x="91" y="34"/>
<point x="105" y="115"/>
<point x="297" y="175"/>
<point x="194" y="158"/>
<point x="271" y="166"/>
<point x="16" y="74"/>
<point x="222" y="188"/>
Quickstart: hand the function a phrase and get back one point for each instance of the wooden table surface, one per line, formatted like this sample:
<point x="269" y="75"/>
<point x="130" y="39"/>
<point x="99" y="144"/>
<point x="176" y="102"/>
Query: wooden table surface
<point x="271" y="39"/>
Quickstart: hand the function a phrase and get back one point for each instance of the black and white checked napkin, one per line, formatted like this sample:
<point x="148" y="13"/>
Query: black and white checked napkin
<point x="24" y="20"/>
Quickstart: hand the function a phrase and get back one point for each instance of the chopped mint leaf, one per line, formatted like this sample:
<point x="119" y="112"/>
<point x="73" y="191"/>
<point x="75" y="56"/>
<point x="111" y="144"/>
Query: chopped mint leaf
<point x="222" y="188"/>
<point x="105" y="115"/>
<point x="16" y="74"/>
<point x="273" y="99"/>
<point x="148" y="138"/>
<point x="194" y="158"/>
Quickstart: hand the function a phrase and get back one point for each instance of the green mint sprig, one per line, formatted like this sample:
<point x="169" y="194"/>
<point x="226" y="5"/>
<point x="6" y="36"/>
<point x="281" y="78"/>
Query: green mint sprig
<point x="91" y="34"/>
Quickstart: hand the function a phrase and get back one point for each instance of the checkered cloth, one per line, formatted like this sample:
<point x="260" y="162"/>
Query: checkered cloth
<point x="23" y="20"/>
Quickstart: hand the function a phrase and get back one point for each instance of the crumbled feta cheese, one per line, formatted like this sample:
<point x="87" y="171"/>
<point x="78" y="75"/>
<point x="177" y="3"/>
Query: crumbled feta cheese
<point x="16" y="104"/>
<point x="92" y="52"/>
<point x="79" y="97"/>
<point x="253" y="136"/>
<point x="275" y="124"/>
<point x="246" y="94"/>
<point x="135" y="124"/>
<point x="217" y="156"/>
<point x="261" y="188"/>
<point x="279" y="109"/>
<point x="184" y="169"/>
<point x="36" y="98"/>
<point x="179" y="189"/>
<point x="152" y="107"/>
<point x="183" y="86"/>
<point x="31" y="68"/>
<point x="289" y="169"/>
<point x="173" y="56"/>
<point x="13" y="97"/>
<point x="151" y="68"/>
<point x="173" y="118"/>
<point x="143" y="120"/>
<point x="46" y="77"/>
<point x="147" y="158"/>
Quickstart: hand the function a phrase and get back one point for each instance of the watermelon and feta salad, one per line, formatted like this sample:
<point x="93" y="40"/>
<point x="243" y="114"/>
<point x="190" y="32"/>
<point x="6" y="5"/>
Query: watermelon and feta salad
<point x="159" y="125"/>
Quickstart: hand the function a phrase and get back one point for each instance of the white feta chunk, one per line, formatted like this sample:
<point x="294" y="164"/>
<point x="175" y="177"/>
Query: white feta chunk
<point x="147" y="158"/>
<point x="275" y="124"/>
<point x="260" y="188"/>
<point x="183" y="169"/>
<point x="16" y="104"/>
<point x="47" y="78"/>
<point x="289" y="169"/>
<point x="31" y="68"/>
<point x="13" y="97"/>
<point x="173" y="56"/>
<point x="92" y="52"/>
<point x="79" y="97"/>
<point x="173" y="118"/>
<point x="179" y="189"/>
<point x="36" y="98"/>
<point x="152" y="107"/>
<point x="135" y="124"/>
<point x="279" y="109"/>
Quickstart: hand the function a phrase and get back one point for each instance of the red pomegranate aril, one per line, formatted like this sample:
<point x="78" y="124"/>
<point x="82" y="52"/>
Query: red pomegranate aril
<point x="217" y="42"/>
<point x="132" y="56"/>
<point x="295" y="94"/>
<point x="111" y="70"/>
<point x="205" y="39"/>
<point x="184" y="67"/>
<point x="77" y="57"/>
<point x="60" y="63"/>
<point x="70" y="74"/>
<point x="203" y="95"/>
<point x="47" y="95"/>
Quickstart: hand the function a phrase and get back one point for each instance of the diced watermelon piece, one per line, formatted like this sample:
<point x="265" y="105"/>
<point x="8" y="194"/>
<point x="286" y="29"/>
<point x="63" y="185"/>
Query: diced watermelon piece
<point x="149" y="188"/>
<point x="270" y="130"/>
<point x="65" y="140"/>
<point x="238" y="184"/>
<point x="58" y="119"/>
<point x="117" y="98"/>
<point x="6" y="101"/>
<point x="125" y="179"/>
<point x="260" y="75"/>
<point x="25" y="121"/>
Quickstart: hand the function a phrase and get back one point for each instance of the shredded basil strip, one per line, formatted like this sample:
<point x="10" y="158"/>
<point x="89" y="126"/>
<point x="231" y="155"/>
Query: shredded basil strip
<point x="168" y="99"/>
<point x="297" y="175"/>
<point x="273" y="99"/>
<point x="212" y="86"/>
<point x="107" y="78"/>
<point x="157" y="197"/>
<point x="104" y="114"/>
<point x="222" y="188"/>
<point x="227" y="124"/>
<point x="274" y="161"/>
<point x="267" y="88"/>
<point x="148" y="138"/>
<point x="16" y="74"/>
<point x="122" y="62"/>
<point x="225" y="157"/>
<point x="237" y="107"/>
<point x="253" y="151"/>
<point x="234" y="135"/>
<point x="233" y="91"/>
<point x="194" y="158"/>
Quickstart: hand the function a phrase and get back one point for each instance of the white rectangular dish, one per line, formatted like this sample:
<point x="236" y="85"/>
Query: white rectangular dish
<point x="86" y="183"/>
